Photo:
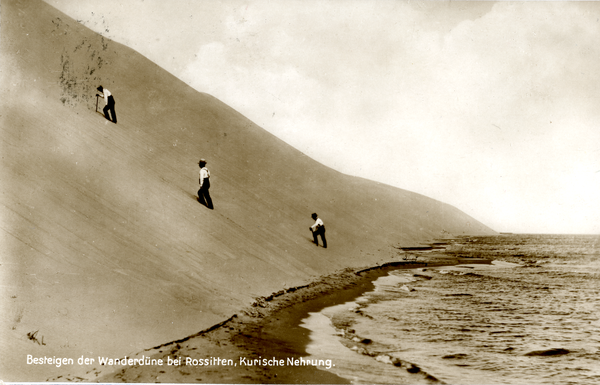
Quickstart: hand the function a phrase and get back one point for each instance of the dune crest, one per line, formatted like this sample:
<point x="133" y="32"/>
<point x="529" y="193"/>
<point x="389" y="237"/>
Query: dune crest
<point x="105" y="250"/>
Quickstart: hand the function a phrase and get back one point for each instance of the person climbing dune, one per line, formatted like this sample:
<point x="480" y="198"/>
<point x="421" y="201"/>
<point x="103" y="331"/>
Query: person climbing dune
<point x="110" y="104"/>
<point x="204" y="180"/>
<point x="318" y="229"/>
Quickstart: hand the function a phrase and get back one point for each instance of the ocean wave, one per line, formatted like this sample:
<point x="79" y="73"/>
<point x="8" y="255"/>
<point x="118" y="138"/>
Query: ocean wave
<point x="549" y="352"/>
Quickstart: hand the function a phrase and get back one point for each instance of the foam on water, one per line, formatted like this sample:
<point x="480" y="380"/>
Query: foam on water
<point x="531" y="317"/>
<point x="358" y="368"/>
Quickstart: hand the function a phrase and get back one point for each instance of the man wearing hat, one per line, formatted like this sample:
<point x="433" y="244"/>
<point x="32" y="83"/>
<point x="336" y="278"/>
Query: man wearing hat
<point x="110" y="104"/>
<point x="203" y="195"/>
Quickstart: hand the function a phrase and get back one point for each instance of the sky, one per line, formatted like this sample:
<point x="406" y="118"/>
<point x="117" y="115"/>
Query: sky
<point x="491" y="107"/>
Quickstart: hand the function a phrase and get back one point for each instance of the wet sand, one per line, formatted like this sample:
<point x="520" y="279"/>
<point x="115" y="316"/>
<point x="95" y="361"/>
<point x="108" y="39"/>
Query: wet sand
<point x="269" y="329"/>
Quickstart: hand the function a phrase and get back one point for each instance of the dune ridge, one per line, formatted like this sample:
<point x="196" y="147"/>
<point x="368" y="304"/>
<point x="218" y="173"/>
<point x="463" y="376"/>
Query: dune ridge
<point x="105" y="250"/>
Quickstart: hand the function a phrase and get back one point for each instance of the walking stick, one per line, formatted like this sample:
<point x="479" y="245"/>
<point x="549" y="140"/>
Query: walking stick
<point x="96" y="102"/>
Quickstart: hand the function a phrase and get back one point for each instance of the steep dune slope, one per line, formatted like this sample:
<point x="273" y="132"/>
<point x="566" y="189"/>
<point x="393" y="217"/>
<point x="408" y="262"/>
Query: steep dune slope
<point x="104" y="248"/>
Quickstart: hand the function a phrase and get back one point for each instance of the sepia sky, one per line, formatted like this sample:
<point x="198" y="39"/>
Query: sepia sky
<point x="492" y="107"/>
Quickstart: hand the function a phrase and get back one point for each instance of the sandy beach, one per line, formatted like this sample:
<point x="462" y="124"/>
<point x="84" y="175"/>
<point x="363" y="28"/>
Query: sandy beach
<point x="263" y="343"/>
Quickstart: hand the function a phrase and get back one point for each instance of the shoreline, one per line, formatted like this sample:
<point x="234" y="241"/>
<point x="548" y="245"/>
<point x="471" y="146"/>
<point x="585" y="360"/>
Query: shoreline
<point x="268" y="331"/>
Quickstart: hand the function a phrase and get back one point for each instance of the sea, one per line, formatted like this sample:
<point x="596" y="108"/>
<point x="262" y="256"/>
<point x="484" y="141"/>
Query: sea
<point x="530" y="317"/>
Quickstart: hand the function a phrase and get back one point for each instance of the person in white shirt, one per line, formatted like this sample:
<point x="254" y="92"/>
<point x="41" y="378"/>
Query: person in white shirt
<point x="318" y="229"/>
<point x="204" y="180"/>
<point x="110" y="104"/>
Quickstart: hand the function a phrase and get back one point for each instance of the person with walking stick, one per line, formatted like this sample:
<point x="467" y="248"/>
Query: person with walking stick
<point x="110" y="104"/>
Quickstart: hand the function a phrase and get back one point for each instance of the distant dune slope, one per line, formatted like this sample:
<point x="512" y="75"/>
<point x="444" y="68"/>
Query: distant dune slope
<point x="104" y="248"/>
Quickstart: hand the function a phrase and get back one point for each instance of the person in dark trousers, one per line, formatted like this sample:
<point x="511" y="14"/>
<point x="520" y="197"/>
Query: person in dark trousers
<point x="203" y="194"/>
<point x="110" y="104"/>
<point x="318" y="229"/>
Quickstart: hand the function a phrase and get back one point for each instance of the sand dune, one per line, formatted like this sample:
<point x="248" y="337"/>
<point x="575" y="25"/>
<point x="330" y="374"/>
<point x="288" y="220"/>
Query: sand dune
<point x="104" y="248"/>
